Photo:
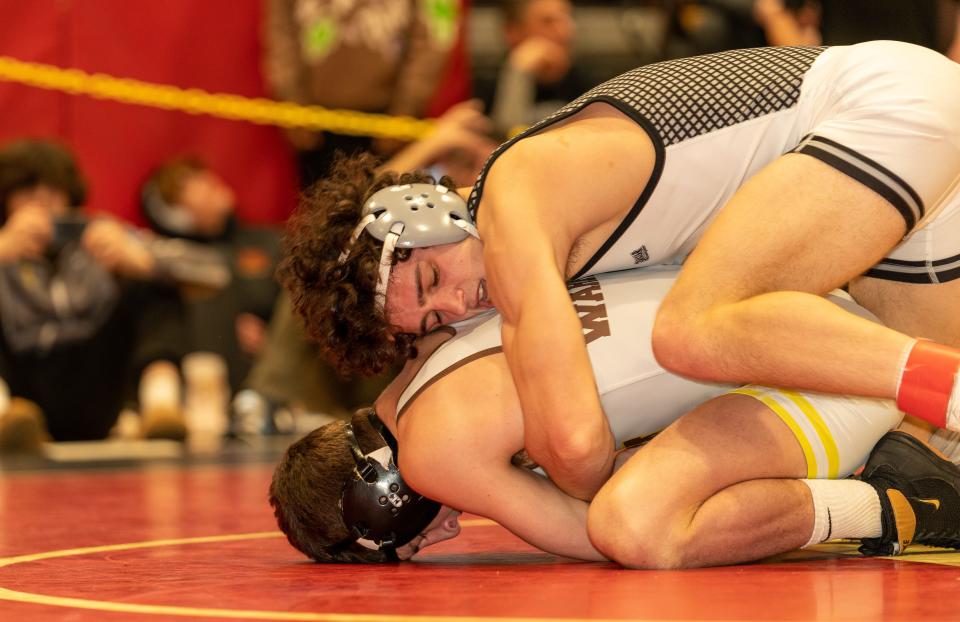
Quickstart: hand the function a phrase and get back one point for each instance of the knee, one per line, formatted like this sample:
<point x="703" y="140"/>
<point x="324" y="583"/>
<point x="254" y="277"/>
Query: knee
<point x="680" y="341"/>
<point x="623" y="531"/>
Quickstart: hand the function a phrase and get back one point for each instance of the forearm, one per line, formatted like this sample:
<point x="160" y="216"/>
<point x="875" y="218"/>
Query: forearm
<point x="529" y="506"/>
<point x="781" y="28"/>
<point x="565" y="428"/>
<point x="515" y="94"/>
<point x="557" y="524"/>
<point x="420" y="154"/>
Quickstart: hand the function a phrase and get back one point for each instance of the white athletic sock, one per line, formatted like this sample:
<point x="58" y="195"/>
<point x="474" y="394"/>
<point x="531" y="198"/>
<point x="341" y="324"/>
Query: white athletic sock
<point x="953" y="406"/>
<point x="844" y="508"/>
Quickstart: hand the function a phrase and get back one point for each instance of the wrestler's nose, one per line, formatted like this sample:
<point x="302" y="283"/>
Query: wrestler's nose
<point x="452" y="301"/>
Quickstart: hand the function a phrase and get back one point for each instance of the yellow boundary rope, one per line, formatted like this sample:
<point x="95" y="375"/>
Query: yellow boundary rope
<point x="223" y="105"/>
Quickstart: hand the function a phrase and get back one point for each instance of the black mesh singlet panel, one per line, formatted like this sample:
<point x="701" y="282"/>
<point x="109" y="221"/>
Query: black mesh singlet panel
<point x="684" y="98"/>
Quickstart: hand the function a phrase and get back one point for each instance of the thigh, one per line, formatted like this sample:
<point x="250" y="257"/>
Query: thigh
<point x="915" y="289"/>
<point x="918" y="310"/>
<point x="730" y="439"/>
<point x="752" y="433"/>
<point x="800" y="225"/>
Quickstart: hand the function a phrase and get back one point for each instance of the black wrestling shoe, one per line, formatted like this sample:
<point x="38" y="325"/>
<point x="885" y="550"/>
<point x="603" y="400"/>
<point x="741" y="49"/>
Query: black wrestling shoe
<point x="919" y="496"/>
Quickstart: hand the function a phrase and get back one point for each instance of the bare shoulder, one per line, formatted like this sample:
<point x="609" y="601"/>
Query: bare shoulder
<point x="590" y="169"/>
<point x="386" y="404"/>
<point x="466" y="421"/>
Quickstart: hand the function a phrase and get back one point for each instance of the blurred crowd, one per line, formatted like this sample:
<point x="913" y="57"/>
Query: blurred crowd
<point x="177" y="329"/>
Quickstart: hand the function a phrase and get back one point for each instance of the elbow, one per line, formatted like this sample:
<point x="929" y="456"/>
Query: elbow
<point x="578" y="463"/>
<point x="576" y="449"/>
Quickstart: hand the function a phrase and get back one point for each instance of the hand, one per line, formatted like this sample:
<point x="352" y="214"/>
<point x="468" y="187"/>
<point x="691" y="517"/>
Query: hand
<point x="26" y="234"/>
<point x="460" y="142"/>
<point x="115" y="247"/>
<point x="467" y="115"/>
<point x="546" y="60"/>
<point x="765" y="10"/>
<point x="251" y="333"/>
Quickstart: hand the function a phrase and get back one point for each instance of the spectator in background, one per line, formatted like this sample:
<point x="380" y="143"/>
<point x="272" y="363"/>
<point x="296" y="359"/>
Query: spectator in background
<point x="705" y="26"/>
<point x="84" y="324"/>
<point x="538" y="75"/>
<point x="186" y="200"/>
<point x="930" y="23"/>
<point x="382" y="56"/>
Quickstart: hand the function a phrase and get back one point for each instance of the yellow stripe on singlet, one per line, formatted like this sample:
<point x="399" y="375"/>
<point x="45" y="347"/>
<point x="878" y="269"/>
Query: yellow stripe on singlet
<point x="788" y="419"/>
<point x="826" y="438"/>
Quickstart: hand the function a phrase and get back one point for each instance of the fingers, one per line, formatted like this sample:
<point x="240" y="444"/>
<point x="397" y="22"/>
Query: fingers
<point x="467" y="115"/>
<point x="115" y="248"/>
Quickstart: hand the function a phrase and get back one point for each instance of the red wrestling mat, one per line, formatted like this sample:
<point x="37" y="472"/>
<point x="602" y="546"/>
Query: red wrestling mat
<point x="200" y="543"/>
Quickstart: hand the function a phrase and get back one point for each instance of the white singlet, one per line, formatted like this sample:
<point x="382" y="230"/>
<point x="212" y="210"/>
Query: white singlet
<point x="884" y="113"/>
<point x="640" y="398"/>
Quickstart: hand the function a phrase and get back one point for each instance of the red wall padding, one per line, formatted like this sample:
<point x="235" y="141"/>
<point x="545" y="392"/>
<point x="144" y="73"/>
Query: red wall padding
<point x="214" y="45"/>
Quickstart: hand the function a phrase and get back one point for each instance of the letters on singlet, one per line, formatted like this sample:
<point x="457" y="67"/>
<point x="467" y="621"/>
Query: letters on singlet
<point x="587" y="297"/>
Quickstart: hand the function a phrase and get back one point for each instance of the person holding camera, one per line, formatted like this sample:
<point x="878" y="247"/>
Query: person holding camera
<point x="84" y="320"/>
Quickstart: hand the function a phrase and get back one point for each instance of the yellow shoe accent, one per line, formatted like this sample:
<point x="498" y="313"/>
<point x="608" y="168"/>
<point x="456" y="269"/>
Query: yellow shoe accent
<point x="904" y="518"/>
<point x="934" y="502"/>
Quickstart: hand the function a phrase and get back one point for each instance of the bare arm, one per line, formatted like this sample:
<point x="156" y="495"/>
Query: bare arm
<point x="462" y="128"/>
<point x="527" y="237"/>
<point x="456" y="442"/>
<point x="782" y="26"/>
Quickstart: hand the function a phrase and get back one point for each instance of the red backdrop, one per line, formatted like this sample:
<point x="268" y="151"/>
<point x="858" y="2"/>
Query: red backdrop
<point x="209" y="44"/>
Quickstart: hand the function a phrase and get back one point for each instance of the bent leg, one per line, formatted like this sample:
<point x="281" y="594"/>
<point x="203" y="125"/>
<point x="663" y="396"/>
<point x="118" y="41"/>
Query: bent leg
<point x="722" y="462"/>
<point x="925" y="310"/>
<point x="747" y="306"/>
<point x="722" y="485"/>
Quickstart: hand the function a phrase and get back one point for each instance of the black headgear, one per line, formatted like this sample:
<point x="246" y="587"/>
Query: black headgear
<point x="381" y="511"/>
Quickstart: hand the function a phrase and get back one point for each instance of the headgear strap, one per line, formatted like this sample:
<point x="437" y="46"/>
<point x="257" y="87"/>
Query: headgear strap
<point x="378" y="508"/>
<point x="410" y="216"/>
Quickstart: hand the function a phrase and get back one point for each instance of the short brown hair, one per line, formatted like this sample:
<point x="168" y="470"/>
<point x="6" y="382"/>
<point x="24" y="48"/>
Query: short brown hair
<point x="338" y="301"/>
<point x="307" y="486"/>
<point x="169" y="178"/>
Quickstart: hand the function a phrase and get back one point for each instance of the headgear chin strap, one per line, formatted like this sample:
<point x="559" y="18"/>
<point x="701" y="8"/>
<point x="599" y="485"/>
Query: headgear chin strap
<point x="411" y="216"/>
<point x="377" y="506"/>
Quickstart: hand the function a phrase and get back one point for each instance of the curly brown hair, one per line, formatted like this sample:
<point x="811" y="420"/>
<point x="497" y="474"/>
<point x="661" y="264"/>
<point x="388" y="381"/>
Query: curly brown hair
<point x="338" y="301"/>
<point x="29" y="163"/>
